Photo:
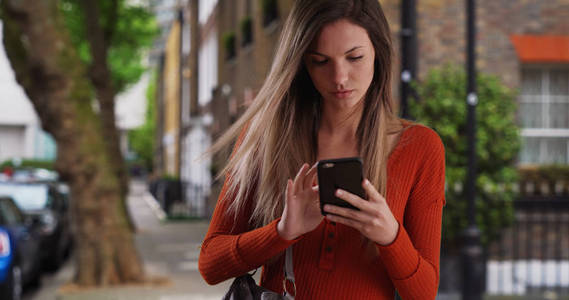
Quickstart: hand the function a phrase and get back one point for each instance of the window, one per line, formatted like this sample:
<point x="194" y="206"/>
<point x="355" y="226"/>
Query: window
<point x="10" y="215"/>
<point x="270" y="11"/>
<point x="205" y="10"/>
<point x="246" y="26"/>
<point x="26" y="196"/>
<point x="207" y="67"/>
<point x="544" y="115"/>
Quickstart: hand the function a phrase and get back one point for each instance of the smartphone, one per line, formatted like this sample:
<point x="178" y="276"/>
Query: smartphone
<point x="341" y="173"/>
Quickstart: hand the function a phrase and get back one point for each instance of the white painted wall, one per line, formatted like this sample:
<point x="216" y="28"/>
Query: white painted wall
<point x="20" y="133"/>
<point x="207" y="77"/>
<point x="130" y="110"/>
<point x="196" y="173"/>
<point x="205" y="9"/>
<point x="20" y="130"/>
<point x="130" y="106"/>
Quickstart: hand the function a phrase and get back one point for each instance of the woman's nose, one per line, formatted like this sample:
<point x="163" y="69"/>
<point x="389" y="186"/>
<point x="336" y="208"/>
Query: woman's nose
<point x="339" y="74"/>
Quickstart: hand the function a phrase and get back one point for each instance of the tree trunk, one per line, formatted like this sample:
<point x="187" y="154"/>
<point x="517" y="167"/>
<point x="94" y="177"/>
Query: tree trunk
<point x="100" y="76"/>
<point x="51" y="73"/>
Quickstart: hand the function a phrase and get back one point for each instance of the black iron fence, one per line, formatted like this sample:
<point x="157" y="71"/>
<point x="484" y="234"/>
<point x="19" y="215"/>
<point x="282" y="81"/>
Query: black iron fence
<point x="531" y="256"/>
<point x="180" y="198"/>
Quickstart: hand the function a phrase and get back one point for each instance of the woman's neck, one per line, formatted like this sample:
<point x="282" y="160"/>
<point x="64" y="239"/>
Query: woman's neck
<point x="340" y="122"/>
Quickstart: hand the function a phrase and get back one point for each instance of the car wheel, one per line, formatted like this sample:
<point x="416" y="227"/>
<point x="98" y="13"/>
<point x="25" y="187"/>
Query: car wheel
<point x="16" y="283"/>
<point x="12" y="290"/>
<point x="35" y="280"/>
<point x="53" y="264"/>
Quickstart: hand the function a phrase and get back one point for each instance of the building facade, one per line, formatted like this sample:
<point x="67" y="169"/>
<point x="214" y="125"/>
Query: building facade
<point x="202" y="78"/>
<point x="229" y="46"/>
<point x="21" y="134"/>
<point x="524" y="43"/>
<point x="171" y="102"/>
<point x="188" y="74"/>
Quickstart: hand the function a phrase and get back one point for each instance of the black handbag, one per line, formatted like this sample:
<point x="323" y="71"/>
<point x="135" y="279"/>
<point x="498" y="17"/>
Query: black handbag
<point x="245" y="288"/>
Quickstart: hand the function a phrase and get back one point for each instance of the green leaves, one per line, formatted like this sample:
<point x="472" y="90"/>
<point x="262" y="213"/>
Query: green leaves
<point x="442" y="106"/>
<point x="129" y="34"/>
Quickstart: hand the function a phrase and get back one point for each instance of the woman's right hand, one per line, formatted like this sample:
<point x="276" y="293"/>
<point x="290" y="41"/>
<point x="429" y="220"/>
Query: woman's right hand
<point x="302" y="208"/>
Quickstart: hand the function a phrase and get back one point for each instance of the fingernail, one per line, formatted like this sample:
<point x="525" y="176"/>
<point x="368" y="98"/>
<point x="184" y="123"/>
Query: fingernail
<point x="367" y="182"/>
<point x="338" y="192"/>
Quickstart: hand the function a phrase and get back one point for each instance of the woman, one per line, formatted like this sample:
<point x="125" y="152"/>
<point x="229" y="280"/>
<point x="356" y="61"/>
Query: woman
<point x="328" y="96"/>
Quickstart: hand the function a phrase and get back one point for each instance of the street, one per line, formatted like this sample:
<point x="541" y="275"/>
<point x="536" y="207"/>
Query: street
<point x="169" y="249"/>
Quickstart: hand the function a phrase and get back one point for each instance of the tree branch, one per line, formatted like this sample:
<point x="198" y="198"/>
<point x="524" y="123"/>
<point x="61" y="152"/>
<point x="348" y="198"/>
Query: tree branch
<point x="112" y="23"/>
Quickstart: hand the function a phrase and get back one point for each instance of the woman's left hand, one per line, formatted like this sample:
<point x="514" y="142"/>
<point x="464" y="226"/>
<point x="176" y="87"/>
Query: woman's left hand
<point x="374" y="219"/>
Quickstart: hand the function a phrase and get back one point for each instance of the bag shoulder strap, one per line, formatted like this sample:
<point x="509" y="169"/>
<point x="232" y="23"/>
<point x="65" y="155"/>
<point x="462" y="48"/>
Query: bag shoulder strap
<point x="288" y="267"/>
<point x="289" y="273"/>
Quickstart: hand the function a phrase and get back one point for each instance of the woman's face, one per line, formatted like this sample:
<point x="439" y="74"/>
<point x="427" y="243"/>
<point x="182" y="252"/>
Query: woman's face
<point x="340" y="62"/>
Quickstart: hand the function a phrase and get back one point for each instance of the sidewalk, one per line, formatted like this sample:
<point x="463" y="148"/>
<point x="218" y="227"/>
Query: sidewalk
<point x="169" y="249"/>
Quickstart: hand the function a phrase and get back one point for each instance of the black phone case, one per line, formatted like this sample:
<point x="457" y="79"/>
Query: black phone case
<point x="342" y="173"/>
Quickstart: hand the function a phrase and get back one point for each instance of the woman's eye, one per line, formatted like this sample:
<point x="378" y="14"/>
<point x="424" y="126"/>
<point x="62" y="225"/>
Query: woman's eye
<point x="319" y="62"/>
<point x="354" y="58"/>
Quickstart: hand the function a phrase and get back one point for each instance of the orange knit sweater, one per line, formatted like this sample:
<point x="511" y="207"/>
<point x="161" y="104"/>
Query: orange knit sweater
<point x="335" y="261"/>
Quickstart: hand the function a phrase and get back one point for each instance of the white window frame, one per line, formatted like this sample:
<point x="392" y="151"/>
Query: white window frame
<point x="546" y="100"/>
<point x="206" y="8"/>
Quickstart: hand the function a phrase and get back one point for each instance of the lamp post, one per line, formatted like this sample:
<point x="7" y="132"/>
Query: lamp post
<point x="472" y="266"/>
<point x="408" y="52"/>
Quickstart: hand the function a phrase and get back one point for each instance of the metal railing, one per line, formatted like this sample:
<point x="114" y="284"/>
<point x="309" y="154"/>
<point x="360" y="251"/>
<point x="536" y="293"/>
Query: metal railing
<point x="531" y="256"/>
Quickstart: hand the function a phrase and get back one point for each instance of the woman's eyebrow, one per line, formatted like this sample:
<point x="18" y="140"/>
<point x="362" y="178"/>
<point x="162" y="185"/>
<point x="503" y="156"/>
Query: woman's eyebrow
<point x="320" y="54"/>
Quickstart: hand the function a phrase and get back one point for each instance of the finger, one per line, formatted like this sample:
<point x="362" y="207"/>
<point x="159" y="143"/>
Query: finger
<point x="297" y="185"/>
<point x="310" y="176"/>
<point x="354" y="200"/>
<point x="315" y="179"/>
<point x="288" y="190"/>
<point x="347" y="213"/>
<point x="373" y="194"/>
<point x="348" y="222"/>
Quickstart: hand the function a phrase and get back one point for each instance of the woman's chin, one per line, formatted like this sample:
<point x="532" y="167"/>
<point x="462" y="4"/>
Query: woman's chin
<point x="344" y="103"/>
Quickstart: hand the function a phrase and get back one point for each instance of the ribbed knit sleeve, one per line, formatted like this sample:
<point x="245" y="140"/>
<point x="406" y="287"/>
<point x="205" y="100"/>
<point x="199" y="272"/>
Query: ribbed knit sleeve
<point x="230" y="250"/>
<point x="412" y="259"/>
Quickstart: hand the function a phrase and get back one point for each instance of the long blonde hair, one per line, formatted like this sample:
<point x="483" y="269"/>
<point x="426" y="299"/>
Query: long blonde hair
<point x="279" y="129"/>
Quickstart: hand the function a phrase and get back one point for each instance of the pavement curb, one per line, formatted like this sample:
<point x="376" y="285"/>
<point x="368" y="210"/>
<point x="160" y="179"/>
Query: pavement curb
<point x="154" y="205"/>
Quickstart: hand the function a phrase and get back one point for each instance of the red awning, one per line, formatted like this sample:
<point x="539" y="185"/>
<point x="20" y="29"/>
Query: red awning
<point x="539" y="48"/>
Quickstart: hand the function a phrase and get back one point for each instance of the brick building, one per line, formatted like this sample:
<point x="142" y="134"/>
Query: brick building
<point x="231" y="44"/>
<point x="242" y="73"/>
<point x="187" y="75"/>
<point x="525" y="43"/>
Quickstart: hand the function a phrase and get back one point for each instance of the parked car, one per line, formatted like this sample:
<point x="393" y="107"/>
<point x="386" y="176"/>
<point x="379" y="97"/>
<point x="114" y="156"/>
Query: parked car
<point x="33" y="175"/>
<point x="19" y="251"/>
<point x="49" y="208"/>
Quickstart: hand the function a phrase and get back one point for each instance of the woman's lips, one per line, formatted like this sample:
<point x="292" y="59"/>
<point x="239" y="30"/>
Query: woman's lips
<point x="343" y="93"/>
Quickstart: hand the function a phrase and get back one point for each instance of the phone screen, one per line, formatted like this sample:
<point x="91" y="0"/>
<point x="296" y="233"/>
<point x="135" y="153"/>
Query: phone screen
<point x="342" y="173"/>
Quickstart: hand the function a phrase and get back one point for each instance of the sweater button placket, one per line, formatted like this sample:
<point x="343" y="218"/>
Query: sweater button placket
<point x="328" y="249"/>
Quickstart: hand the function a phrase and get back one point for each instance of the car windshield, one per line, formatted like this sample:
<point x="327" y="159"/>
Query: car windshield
<point x="9" y="213"/>
<point x="26" y="196"/>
